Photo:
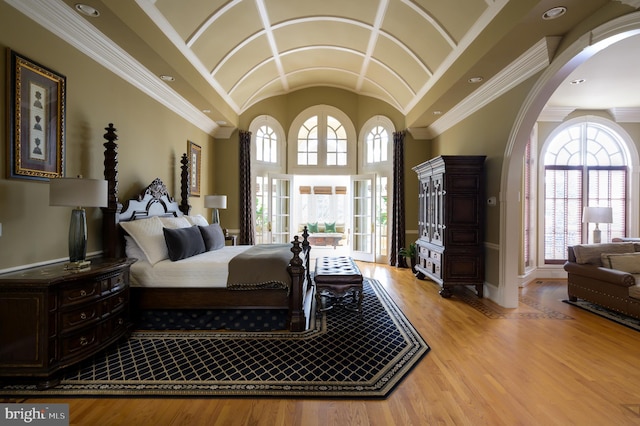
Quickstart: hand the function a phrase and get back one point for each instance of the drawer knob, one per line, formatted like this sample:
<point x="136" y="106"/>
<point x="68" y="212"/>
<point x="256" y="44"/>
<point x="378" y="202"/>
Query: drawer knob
<point x="84" y="341"/>
<point x="83" y="292"/>
<point x="83" y="316"/>
<point x="120" y="321"/>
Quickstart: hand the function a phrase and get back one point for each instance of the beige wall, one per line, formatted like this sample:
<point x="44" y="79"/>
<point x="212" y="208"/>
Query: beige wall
<point x="151" y="141"/>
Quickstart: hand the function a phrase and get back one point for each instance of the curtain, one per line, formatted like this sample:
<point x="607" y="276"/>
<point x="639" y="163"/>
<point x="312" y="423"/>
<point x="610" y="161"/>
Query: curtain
<point x="398" y="219"/>
<point x="246" y="204"/>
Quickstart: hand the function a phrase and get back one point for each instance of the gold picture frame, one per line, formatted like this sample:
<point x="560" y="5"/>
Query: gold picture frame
<point x="36" y="139"/>
<point x="195" y="152"/>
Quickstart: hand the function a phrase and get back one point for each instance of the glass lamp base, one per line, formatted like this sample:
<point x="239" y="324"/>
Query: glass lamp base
<point x="78" y="236"/>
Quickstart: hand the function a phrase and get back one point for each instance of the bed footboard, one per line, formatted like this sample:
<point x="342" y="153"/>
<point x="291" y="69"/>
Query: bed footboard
<point x="300" y="282"/>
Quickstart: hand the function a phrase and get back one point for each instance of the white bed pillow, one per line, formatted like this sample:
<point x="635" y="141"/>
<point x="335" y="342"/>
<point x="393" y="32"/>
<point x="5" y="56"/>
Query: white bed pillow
<point x="132" y="249"/>
<point x="173" y="222"/>
<point x="148" y="234"/>
<point x="197" y="220"/>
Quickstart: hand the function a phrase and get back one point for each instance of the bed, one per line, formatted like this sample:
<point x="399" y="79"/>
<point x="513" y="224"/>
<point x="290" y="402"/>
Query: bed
<point x="171" y="274"/>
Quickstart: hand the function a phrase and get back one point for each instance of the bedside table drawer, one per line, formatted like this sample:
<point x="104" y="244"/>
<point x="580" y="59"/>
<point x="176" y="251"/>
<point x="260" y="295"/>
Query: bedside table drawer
<point x="79" y="343"/>
<point x="79" y="293"/>
<point x="79" y="318"/>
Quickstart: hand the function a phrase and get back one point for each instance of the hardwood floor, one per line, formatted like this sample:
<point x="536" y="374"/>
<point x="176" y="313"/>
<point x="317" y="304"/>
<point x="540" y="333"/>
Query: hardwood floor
<point x="544" y="363"/>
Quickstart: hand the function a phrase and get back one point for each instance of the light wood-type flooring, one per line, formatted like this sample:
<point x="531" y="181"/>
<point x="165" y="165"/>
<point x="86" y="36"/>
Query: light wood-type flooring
<point x="543" y="363"/>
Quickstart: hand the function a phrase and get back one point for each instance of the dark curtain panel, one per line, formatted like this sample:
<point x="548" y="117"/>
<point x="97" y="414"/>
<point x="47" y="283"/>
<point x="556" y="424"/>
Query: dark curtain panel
<point x="398" y="219"/>
<point x="246" y="210"/>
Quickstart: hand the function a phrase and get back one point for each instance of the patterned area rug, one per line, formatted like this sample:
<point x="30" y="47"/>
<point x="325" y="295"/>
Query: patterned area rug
<point x="606" y="313"/>
<point x="346" y="355"/>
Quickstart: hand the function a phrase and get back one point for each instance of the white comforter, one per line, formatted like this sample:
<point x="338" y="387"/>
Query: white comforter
<point x="209" y="269"/>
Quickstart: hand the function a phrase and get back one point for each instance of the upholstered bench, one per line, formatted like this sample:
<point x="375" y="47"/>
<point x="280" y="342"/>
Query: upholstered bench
<point x="336" y="277"/>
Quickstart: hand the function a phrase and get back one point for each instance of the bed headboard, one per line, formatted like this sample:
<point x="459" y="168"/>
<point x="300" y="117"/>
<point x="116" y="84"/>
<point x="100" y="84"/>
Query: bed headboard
<point x="154" y="200"/>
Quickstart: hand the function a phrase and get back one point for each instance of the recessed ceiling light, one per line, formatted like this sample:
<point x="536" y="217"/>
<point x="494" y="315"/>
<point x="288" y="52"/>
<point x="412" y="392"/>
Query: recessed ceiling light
<point x="165" y="77"/>
<point x="578" y="81"/>
<point x="475" y="79"/>
<point x="554" y="12"/>
<point x="221" y="123"/>
<point x="85" y="9"/>
<point x="206" y="111"/>
<point x="437" y="112"/>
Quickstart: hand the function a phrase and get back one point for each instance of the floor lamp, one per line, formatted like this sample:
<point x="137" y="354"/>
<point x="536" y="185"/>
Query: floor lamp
<point x="597" y="215"/>
<point x="78" y="193"/>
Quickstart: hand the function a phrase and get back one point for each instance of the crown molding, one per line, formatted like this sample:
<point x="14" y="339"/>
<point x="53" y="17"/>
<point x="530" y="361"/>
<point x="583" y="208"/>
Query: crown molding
<point x="61" y="20"/>
<point x="633" y="3"/>
<point x="534" y="60"/>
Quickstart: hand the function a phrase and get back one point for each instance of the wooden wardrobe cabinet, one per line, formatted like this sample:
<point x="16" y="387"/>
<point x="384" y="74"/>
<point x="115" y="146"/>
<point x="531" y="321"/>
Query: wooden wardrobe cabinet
<point x="51" y="318"/>
<point x="451" y="222"/>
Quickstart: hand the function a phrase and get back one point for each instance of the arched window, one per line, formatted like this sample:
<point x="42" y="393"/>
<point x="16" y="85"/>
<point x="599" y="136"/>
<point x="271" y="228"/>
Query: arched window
<point x="375" y="147"/>
<point x="266" y="144"/>
<point x="585" y="164"/>
<point x="268" y="148"/>
<point x="322" y="140"/>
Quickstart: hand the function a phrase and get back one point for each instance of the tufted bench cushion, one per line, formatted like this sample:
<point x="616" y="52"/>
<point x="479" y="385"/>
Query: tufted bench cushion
<point x="337" y="276"/>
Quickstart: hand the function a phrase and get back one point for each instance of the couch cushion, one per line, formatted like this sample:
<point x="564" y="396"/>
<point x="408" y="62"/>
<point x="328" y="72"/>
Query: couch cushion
<point x="590" y="253"/>
<point x="626" y="262"/>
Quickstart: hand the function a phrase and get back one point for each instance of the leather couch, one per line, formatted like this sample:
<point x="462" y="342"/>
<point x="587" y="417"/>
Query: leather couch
<point x="612" y="284"/>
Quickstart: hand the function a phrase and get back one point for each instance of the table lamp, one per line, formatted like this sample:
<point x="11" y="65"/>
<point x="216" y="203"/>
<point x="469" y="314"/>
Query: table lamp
<point x="597" y="215"/>
<point x="78" y="193"/>
<point x="215" y="202"/>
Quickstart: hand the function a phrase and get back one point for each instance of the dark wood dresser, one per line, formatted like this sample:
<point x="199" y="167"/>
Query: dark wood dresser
<point x="51" y="318"/>
<point x="451" y="222"/>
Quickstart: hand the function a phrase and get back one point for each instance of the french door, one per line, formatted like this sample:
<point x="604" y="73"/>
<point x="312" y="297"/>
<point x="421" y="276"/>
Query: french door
<point x="280" y="202"/>
<point x="362" y="217"/>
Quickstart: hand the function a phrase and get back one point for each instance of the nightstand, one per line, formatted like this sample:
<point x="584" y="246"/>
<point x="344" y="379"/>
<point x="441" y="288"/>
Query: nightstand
<point x="232" y="238"/>
<point x="51" y="318"/>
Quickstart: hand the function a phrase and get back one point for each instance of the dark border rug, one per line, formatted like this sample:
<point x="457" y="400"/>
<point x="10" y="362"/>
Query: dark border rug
<point x="345" y="355"/>
<point x="606" y="313"/>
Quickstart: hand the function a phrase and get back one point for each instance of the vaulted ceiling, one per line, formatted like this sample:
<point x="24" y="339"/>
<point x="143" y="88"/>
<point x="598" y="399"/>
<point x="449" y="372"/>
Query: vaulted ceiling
<point x="226" y="55"/>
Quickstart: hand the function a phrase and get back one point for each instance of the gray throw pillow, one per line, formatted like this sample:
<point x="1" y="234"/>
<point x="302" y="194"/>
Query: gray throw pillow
<point x="183" y="242"/>
<point x="213" y="236"/>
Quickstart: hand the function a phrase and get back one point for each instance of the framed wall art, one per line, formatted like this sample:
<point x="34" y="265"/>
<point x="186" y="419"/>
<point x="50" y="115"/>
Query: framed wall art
<point x="194" y="168"/>
<point x="36" y="104"/>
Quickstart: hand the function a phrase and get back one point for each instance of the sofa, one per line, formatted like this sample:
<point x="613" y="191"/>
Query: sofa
<point x="606" y="274"/>
<point x="324" y="233"/>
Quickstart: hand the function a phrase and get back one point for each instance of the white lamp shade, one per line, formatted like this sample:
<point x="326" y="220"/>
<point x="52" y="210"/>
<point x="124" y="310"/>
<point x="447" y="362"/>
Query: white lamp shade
<point x="597" y="215"/>
<point x="78" y="192"/>
<point x="215" y="201"/>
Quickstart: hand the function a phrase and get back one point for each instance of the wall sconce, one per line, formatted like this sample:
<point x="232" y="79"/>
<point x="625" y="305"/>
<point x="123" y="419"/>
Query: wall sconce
<point x="215" y="202"/>
<point x="597" y="215"/>
<point x="78" y="193"/>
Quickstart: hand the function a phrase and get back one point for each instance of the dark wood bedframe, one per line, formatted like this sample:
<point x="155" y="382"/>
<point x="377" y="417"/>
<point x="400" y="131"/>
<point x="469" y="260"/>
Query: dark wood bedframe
<point x="155" y="200"/>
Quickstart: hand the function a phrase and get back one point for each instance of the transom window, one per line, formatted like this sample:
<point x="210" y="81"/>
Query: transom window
<point x="322" y="140"/>
<point x="266" y="145"/>
<point x="310" y="137"/>
<point x="377" y="145"/>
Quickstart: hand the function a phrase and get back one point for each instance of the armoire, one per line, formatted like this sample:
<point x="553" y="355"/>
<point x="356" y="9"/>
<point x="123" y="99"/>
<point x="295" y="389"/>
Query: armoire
<point x="450" y="245"/>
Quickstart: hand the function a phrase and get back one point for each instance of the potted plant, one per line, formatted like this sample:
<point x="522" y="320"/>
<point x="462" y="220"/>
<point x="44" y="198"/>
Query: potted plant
<point x="410" y="253"/>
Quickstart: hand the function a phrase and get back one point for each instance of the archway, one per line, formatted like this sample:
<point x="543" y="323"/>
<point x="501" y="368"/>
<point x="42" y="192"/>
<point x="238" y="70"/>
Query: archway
<point x="580" y="51"/>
